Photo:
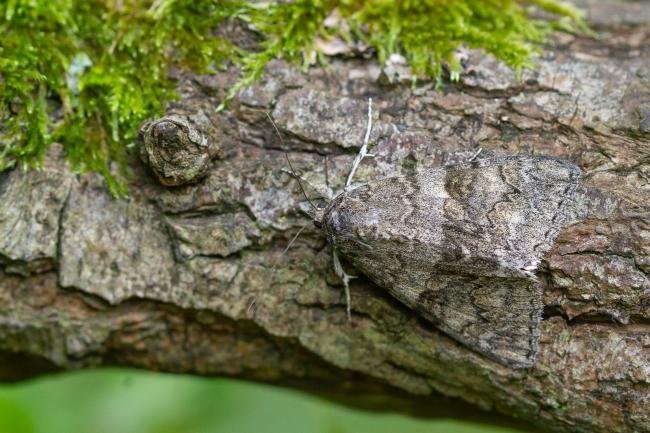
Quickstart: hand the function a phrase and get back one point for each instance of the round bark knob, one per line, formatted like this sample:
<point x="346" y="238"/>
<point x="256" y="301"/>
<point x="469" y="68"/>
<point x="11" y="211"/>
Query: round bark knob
<point x="174" y="149"/>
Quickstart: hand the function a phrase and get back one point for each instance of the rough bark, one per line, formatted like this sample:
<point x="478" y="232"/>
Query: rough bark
<point x="195" y="279"/>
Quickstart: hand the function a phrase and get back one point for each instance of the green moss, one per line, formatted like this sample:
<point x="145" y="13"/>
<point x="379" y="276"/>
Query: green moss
<point x="106" y="62"/>
<point x="87" y="72"/>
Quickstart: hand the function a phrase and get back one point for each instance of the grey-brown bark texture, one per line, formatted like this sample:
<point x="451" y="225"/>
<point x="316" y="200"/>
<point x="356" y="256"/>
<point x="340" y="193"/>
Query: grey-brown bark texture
<point x="193" y="278"/>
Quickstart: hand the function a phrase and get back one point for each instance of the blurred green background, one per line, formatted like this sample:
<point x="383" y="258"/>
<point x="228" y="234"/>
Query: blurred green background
<point x="125" y="401"/>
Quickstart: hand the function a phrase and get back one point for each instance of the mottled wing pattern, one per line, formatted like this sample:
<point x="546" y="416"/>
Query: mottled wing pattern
<point x="461" y="245"/>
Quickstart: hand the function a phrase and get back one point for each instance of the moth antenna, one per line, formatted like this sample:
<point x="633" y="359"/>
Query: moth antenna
<point x="302" y="189"/>
<point x="293" y="239"/>
<point x="286" y="155"/>
<point x="274" y="269"/>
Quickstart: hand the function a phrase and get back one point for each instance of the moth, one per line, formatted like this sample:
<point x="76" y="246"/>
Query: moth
<point x="460" y="245"/>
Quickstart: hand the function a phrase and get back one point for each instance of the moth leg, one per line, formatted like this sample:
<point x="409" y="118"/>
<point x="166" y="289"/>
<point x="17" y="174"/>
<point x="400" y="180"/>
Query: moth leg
<point x="338" y="270"/>
<point x="363" y="152"/>
<point x="476" y="154"/>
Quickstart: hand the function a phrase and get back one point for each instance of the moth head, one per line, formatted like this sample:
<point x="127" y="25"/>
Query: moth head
<point x="316" y="211"/>
<point x="338" y="219"/>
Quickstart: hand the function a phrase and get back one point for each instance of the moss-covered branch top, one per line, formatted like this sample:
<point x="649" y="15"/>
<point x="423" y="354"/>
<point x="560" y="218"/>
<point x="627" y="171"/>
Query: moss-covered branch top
<point x="86" y="73"/>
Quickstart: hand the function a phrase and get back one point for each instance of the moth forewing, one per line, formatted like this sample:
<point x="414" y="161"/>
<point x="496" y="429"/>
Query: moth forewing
<point x="460" y="245"/>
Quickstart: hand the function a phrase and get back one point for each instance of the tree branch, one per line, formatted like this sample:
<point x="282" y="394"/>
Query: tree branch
<point x="193" y="278"/>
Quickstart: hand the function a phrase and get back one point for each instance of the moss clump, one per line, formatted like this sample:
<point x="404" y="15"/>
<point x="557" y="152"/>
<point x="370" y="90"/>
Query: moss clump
<point x="87" y="72"/>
